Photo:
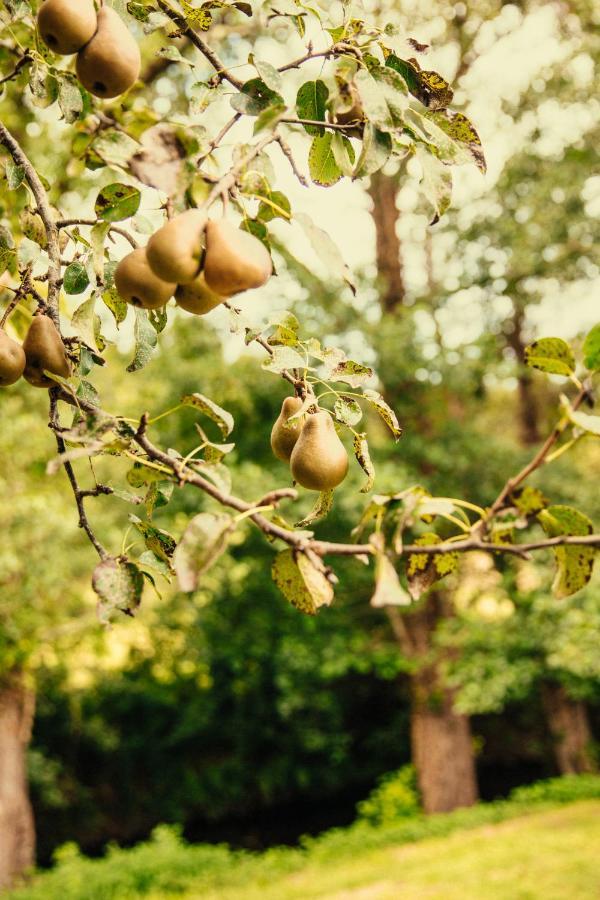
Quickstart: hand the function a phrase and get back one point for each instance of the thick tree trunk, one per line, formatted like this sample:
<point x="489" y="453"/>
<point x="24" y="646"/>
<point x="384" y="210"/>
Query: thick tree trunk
<point x="570" y="729"/>
<point x="17" y="831"/>
<point x="383" y="190"/>
<point x="441" y="740"/>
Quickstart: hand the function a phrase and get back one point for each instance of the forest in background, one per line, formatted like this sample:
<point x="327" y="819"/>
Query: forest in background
<point x="227" y="711"/>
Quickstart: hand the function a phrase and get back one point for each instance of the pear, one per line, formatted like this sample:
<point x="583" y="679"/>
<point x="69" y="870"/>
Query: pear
<point x="353" y="112"/>
<point x="67" y="25"/>
<point x="137" y="283"/>
<point x="44" y="349"/>
<point x="196" y="297"/>
<point x="235" y="261"/>
<point x="319" y="460"/>
<point x="175" y="251"/>
<point x="110" y="64"/>
<point x="284" y="434"/>
<point x="12" y="360"/>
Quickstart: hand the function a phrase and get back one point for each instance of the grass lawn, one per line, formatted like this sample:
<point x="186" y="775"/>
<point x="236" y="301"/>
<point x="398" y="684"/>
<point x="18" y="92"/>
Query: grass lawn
<point x="551" y="855"/>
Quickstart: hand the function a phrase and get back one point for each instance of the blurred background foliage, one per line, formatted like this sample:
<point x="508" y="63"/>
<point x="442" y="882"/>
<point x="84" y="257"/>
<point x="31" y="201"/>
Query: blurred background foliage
<point x="227" y="711"/>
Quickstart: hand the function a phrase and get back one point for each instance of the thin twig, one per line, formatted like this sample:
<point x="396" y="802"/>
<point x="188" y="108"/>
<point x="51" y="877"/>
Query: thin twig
<point x="69" y="223"/>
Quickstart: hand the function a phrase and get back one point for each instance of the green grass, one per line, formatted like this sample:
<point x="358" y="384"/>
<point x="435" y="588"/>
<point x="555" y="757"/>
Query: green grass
<point x="543" y="842"/>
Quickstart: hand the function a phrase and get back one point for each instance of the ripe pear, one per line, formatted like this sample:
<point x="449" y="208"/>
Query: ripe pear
<point x="137" y="283"/>
<point x="67" y="25"/>
<point x="12" y="360"/>
<point x="110" y="64"/>
<point x="175" y="250"/>
<point x="235" y="261"/>
<point x="319" y="460"/>
<point x="284" y="434"/>
<point x="196" y="297"/>
<point x="44" y="349"/>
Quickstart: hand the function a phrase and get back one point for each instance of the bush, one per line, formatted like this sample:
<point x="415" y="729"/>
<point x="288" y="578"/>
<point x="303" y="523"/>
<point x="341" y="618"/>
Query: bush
<point x="395" y="797"/>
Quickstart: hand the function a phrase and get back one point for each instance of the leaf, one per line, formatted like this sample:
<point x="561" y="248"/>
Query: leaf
<point x="301" y="583"/>
<point x="119" y="585"/>
<point x="326" y="249"/>
<point x="351" y="372"/>
<point x="254" y="97"/>
<point x="552" y="355"/>
<point x="343" y="153"/>
<point x="388" y="589"/>
<point x="276" y="205"/>
<point x="200" y="19"/>
<point x="361" y="451"/>
<point x="284" y="358"/>
<point x="385" y="411"/>
<point x="529" y="500"/>
<point x="268" y="74"/>
<point x="203" y="541"/>
<point x="458" y="127"/>
<point x="322" y="166"/>
<point x="320" y="510"/>
<point x="574" y="564"/>
<point x="375" y="152"/>
<point x="286" y="333"/>
<point x="116" y="202"/>
<point x="118" y="307"/>
<point x="145" y="341"/>
<point x="15" y="175"/>
<point x="429" y="87"/>
<point x="590" y="424"/>
<point x="269" y="118"/>
<point x="75" y="279"/>
<point x="211" y="409"/>
<point x="436" y="182"/>
<point x="311" y="102"/>
<point x="140" y="475"/>
<point x="423" y="569"/>
<point x="160" y="542"/>
<point x="591" y="349"/>
<point x="347" y="411"/>
<point x="69" y="98"/>
<point x="82" y="322"/>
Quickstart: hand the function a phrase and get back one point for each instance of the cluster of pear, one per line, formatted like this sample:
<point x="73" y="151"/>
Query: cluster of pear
<point x="42" y="351"/>
<point x="200" y="261"/>
<point x="311" y="446"/>
<point x="108" y="57"/>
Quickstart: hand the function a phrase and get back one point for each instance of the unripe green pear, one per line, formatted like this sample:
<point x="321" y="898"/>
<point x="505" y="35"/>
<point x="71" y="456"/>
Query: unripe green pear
<point x="284" y="434"/>
<point x="138" y="285"/>
<point x="196" y="297"/>
<point x="67" y="25"/>
<point x="175" y="250"/>
<point x="44" y="350"/>
<point x="319" y="460"/>
<point x="12" y="360"/>
<point x="235" y="261"/>
<point x="110" y="64"/>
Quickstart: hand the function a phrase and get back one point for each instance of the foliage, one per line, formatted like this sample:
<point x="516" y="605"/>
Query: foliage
<point x="166" y="864"/>
<point x="395" y="797"/>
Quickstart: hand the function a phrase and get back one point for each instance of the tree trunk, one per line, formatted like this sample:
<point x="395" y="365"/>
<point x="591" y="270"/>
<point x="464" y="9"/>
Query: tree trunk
<point x="528" y="406"/>
<point x="570" y="729"/>
<point x="383" y="190"/>
<point x="17" y="831"/>
<point x="441" y="740"/>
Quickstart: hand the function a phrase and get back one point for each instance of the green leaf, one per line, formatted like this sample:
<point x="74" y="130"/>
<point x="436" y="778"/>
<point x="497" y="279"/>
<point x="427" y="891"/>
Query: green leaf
<point x="343" y="153"/>
<point x="204" y="540"/>
<point x="591" y="349"/>
<point x="69" y="98"/>
<point x="284" y="357"/>
<point x="116" y="202"/>
<point x="388" y="589"/>
<point x="268" y="74"/>
<point x="436" y="182"/>
<point x="304" y="585"/>
<point x="254" y="97"/>
<point x="145" y="341"/>
<point x="76" y="278"/>
<point x="140" y="475"/>
<point x="323" y="168"/>
<point x="423" y="569"/>
<point x="429" y="87"/>
<point x="574" y="564"/>
<point x="361" y="452"/>
<point x="529" y="500"/>
<point x="15" y="175"/>
<point x="326" y="249"/>
<point x="161" y="543"/>
<point x="375" y="152"/>
<point x="458" y="127"/>
<point x="119" y="585"/>
<point x="590" y="424"/>
<point x="83" y="322"/>
<point x="216" y="413"/>
<point x="347" y="411"/>
<point x="320" y="510"/>
<point x="278" y="207"/>
<point x="552" y="355"/>
<point x="311" y="101"/>
<point x="112" y="299"/>
<point x="286" y="332"/>
<point x="269" y="118"/>
<point x="384" y="410"/>
<point x="351" y="372"/>
<point x="383" y="96"/>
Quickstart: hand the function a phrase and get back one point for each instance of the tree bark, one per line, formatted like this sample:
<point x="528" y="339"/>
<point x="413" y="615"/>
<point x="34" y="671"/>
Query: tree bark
<point x="441" y="739"/>
<point x="17" y="830"/>
<point x="570" y="729"/>
<point x="383" y="190"/>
